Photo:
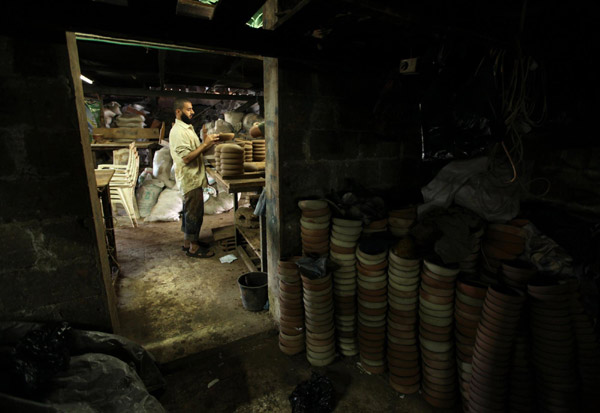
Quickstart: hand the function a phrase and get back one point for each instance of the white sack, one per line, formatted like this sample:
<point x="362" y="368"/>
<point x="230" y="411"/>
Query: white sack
<point x="161" y="166"/>
<point x="218" y="204"/>
<point x="147" y="195"/>
<point x="168" y="206"/>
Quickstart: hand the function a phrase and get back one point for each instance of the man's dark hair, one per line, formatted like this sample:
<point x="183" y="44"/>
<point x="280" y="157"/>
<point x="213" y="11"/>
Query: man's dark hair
<point x="178" y="104"/>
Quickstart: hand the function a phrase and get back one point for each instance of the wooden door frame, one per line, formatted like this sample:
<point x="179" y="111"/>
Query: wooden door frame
<point x="109" y="295"/>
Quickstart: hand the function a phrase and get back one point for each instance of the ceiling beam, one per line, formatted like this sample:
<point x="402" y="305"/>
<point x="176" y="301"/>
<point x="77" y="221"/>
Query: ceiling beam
<point x="147" y="24"/>
<point x="285" y="16"/>
<point x="120" y="91"/>
<point x="236" y="12"/>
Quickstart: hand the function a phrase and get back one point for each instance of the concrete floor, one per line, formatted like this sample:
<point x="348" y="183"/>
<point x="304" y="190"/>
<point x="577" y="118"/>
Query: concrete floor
<point x="254" y="376"/>
<point x="174" y="305"/>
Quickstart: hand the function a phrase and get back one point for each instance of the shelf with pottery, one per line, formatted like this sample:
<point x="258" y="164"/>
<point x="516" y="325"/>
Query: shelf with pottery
<point x="256" y="238"/>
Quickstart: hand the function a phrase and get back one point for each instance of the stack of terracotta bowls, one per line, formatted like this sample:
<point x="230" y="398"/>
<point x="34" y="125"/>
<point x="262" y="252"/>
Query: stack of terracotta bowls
<point x="230" y="159"/>
<point x="314" y="226"/>
<point x="291" y="332"/>
<point x="401" y="220"/>
<point x="522" y="380"/>
<point x="371" y="267"/>
<point x="436" y="314"/>
<point x="502" y="243"/>
<point x="553" y="344"/>
<point x="517" y="273"/>
<point x="467" y="313"/>
<point x="470" y="264"/>
<point x="259" y="151"/>
<point x="588" y="349"/>
<point x="402" y="348"/>
<point x="248" y="152"/>
<point x="488" y="389"/>
<point x="343" y="253"/>
<point x="318" y="313"/>
<point x="375" y="227"/>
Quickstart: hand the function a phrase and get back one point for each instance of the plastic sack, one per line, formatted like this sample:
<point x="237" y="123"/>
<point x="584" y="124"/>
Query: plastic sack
<point x="161" y="166"/>
<point x="314" y="268"/>
<point x="38" y="357"/>
<point x="147" y="195"/>
<point x="146" y="174"/>
<point x="470" y="185"/>
<point x="313" y="396"/>
<point x="168" y="206"/>
<point x="218" y="204"/>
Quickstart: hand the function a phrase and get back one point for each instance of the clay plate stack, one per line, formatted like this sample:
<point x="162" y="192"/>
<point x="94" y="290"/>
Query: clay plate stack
<point x="345" y="284"/>
<point x="588" y="350"/>
<point x="436" y="319"/>
<point x="218" y="158"/>
<point x="468" y="306"/>
<point x="259" y="151"/>
<point x="314" y="226"/>
<point x="318" y="313"/>
<point x="375" y="227"/>
<point x="401" y="220"/>
<point x="488" y="389"/>
<point x="231" y="159"/>
<point x="502" y="243"/>
<point x="402" y="348"/>
<point x="371" y="267"/>
<point x="553" y="343"/>
<point x="517" y="273"/>
<point x="291" y="331"/>
<point x="470" y="264"/>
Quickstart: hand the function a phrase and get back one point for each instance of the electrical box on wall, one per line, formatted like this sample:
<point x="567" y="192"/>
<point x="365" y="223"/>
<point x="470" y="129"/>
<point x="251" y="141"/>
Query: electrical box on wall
<point x="409" y="66"/>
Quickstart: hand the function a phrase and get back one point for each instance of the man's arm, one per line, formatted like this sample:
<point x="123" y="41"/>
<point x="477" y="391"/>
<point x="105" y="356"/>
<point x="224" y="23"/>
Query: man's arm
<point x="208" y="142"/>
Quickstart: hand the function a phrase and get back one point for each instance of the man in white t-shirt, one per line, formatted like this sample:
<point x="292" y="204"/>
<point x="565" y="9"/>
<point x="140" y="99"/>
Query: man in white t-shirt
<point x="190" y="175"/>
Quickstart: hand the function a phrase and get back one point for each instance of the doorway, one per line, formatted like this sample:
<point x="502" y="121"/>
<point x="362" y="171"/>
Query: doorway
<point x="172" y="304"/>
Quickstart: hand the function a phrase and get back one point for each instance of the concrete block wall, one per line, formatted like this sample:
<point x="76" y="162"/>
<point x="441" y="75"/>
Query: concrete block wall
<point x="330" y="133"/>
<point x="49" y="262"/>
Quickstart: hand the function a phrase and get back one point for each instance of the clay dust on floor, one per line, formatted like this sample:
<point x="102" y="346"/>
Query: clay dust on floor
<point x="174" y="305"/>
<point x="253" y="376"/>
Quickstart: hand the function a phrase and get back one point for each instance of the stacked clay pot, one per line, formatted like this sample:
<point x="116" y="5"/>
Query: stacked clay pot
<point x="401" y="220"/>
<point x="488" y="389"/>
<point x="436" y="314"/>
<point x="343" y="253"/>
<point x="291" y="332"/>
<point x="314" y="226"/>
<point x="259" y="151"/>
<point x="517" y="273"/>
<point x="375" y="227"/>
<point x="248" y="157"/>
<point x="502" y="242"/>
<point x="467" y="313"/>
<point x="318" y="313"/>
<point x="470" y="264"/>
<point x="402" y="348"/>
<point x="371" y="268"/>
<point x="230" y="159"/>
<point x="522" y="380"/>
<point x="554" y="355"/>
<point x="588" y="350"/>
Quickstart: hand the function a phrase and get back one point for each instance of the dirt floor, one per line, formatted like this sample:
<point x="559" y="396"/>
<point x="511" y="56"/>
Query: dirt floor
<point x="253" y="376"/>
<point x="175" y="305"/>
<point x="216" y="356"/>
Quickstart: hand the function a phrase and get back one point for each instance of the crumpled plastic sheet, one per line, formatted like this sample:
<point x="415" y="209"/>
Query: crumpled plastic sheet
<point x="314" y="268"/>
<point x="316" y="395"/>
<point x="106" y="373"/>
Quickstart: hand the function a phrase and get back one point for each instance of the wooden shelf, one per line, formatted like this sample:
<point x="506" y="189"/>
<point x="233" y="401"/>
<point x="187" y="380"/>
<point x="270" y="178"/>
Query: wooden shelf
<point x="252" y="237"/>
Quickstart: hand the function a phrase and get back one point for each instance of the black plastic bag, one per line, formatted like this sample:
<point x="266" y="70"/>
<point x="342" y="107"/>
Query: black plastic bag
<point x="313" y="396"/>
<point x="39" y="356"/>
